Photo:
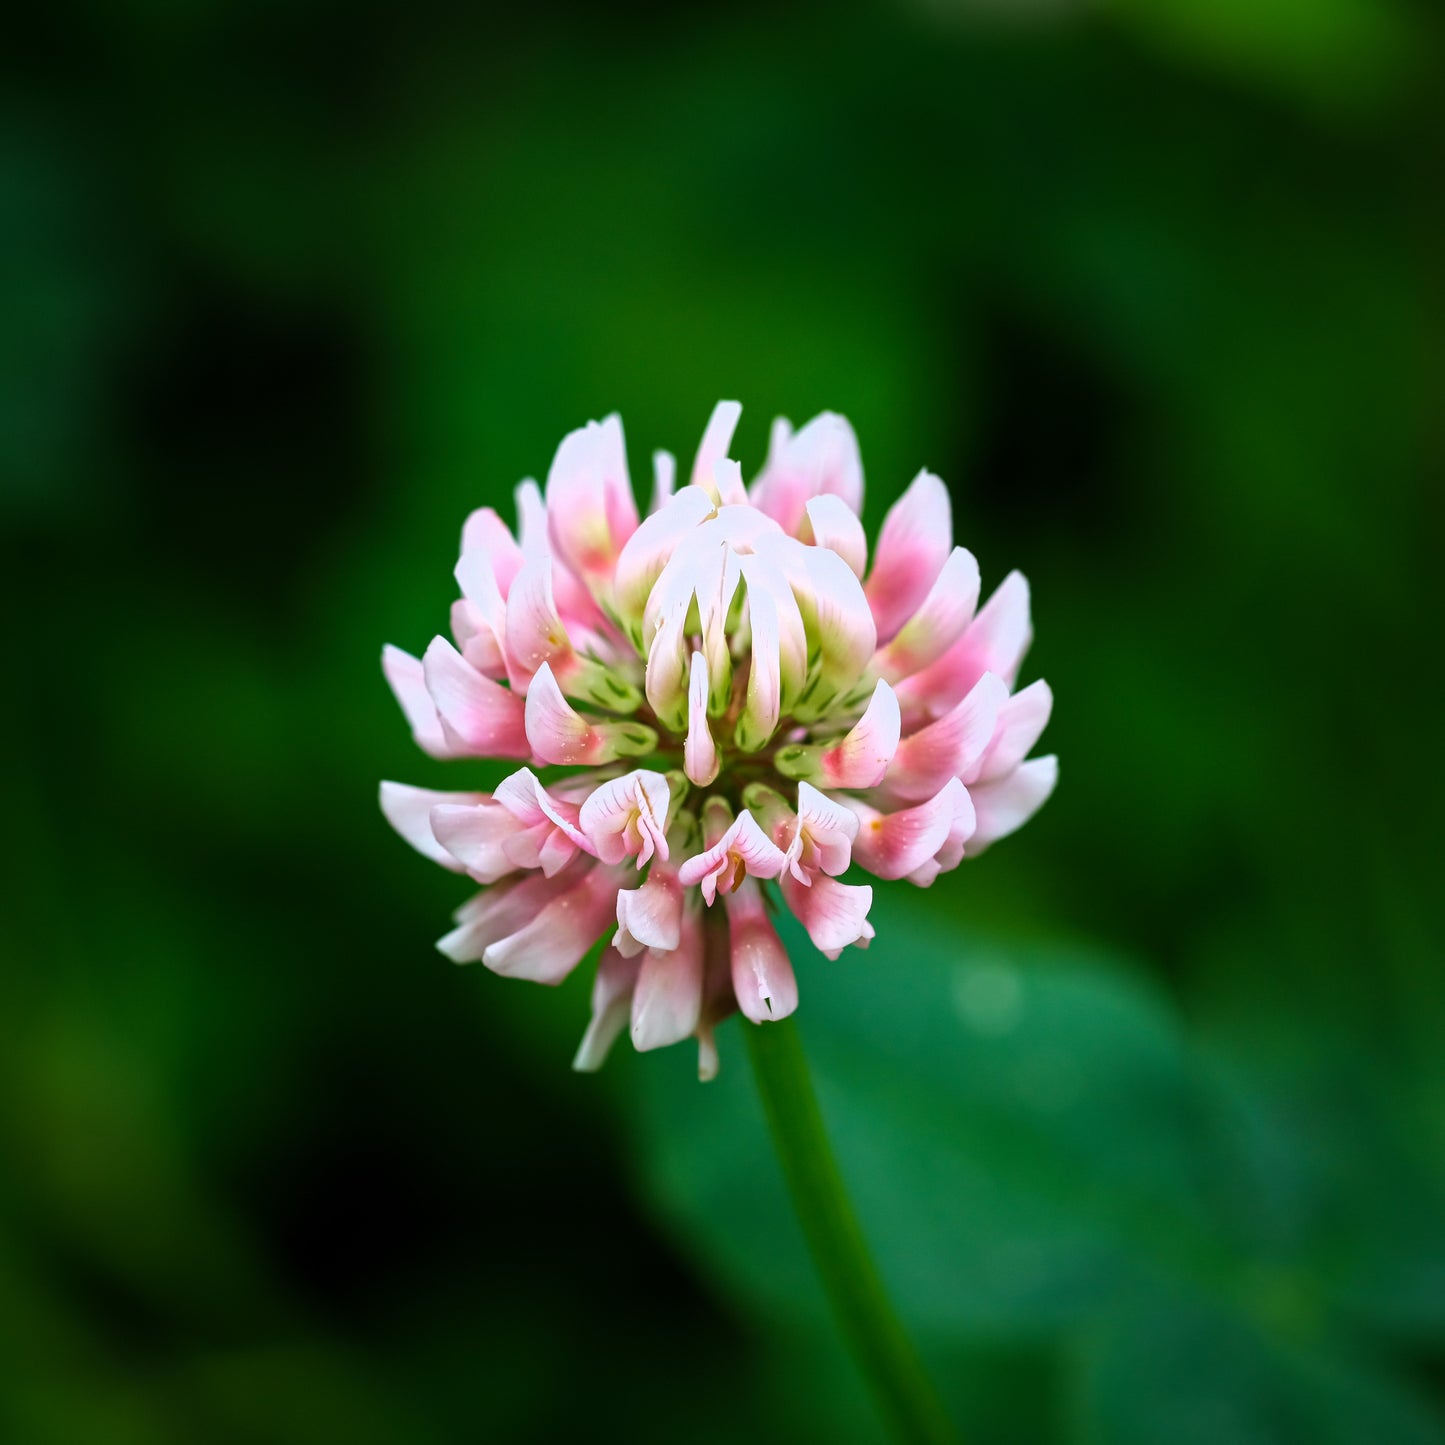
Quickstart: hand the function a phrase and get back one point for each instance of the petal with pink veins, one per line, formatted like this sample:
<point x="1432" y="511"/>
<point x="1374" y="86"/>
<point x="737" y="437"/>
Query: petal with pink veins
<point x="557" y="733"/>
<point x="894" y="845"/>
<point x="549" y="835"/>
<point x="939" y="622"/>
<point x="913" y="545"/>
<point x="667" y="1005"/>
<point x="762" y="975"/>
<point x="479" y="717"/>
<point x="820" y="457"/>
<point x="611" y="1004"/>
<point x="995" y="641"/>
<point x="476" y="836"/>
<point x="861" y="758"/>
<point x="590" y="508"/>
<point x="408" y="810"/>
<point x="502" y="910"/>
<point x="948" y="748"/>
<point x="627" y="818"/>
<point x="407" y="678"/>
<point x="1021" y="721"/>
<point x="699" y="754"/>
<point x="743" y="850"/>
<point x="485" y="532"/>
<point x="552" y="942"/>
<point x="1007" y="803"/>
<point x="834" y="914"/>
<point x="650" y="916"/>
<point x="650" y="548"/>
<point x="822" y="837"/>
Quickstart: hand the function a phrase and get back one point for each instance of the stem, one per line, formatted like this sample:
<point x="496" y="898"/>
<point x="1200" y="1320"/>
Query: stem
<point x="873" y="1331"/>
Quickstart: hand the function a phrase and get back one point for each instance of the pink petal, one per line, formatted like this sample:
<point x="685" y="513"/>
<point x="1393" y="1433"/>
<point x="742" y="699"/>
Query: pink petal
<point x="648" y="550"/>
<point x="476" y="640"/>
<point x="821" y="457"/>
<point x="590" y="508"/>
<point x="718" y="999"/>
<point x="830" y="522"/>
<point x="763" y="704"/>
<point x="551" y="943"/>
<point x="716" y="440"/>
<point x="786" y="617"/>
<point x="485" y="532"/>
<point x="408" y="810"/>
<point x="407" y="678"/>
<point x="534" y="631"/>
<point x="699" y="755"/>
<point x="1009" y="802"/>
<point x="762" y="975"/>
<point x="861" y="758"/>
<point x="912" y="548"/>
<point x="835" y="914"/>
<point x="727" y="483"/>
<point x="837" y="616"/>
<point x="822" y="837"/>
<point x="502" y="910"/>
<point x="744" y="849"/>
<point x="938" y="623"/>
<point x="894" y="845"/>
<point x="948" y="748"/>
<point x="552" y="833"/>
<point x="559" y="734"/>
<point x="476" y="836"/>
<point x="667" y="1006"/>
<point x="611" y="1003"/>
<point x="627" y="817"/>
<point x="479" y="717"/>
<point x="995" y="642"/>
<point x="650" y="916"/>
<point x="1021" y="721"/>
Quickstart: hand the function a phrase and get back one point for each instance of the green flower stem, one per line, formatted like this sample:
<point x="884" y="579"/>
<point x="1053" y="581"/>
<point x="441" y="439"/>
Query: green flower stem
<point x="860" y="1303"/>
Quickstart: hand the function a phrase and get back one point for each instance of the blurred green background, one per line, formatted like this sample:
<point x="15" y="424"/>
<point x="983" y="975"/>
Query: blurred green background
<point x="1144" y="1110"/>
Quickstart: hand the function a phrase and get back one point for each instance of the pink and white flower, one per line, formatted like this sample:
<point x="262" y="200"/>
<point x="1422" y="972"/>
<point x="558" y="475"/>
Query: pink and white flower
<point x="744" y="704"/>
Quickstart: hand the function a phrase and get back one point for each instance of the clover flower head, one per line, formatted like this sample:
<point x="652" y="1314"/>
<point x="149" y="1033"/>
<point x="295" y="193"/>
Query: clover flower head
<point x="739" y="699"/>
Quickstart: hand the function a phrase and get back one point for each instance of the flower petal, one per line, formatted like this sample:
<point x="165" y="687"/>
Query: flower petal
<point x="699" y="754"/>
<point x="648" y="550"/>
<point x="664" y="476"/>
<point x="938" y="623"/>
<point x="762" y="975"/>
<point x="912" y="547"/>
<point x="744" y="849"/>
<point x="822" y="837"/>
<point x="408" y="810"/>
<point x="820" y="457"/>
<point x="716" y="440"/>
<point x="591" y="512"/>
<point x="650" y="916"/>
<point x="834" y="914"/>
<point x="948" y="748"/>
<point x="626" y="817"/>
<point x="668" y="1003"/>
<point x="894" y="845"/>
<point x="476" y="836"/>
<point x="552" y="942"/>
<point x="1007" y="803"/>
<point x="557" y="733"/>
<point x="479" y="717"/>
<point x="502" y="910"/>
<point x="830" y="522"/>
<point x="407" y="678"/>
<point x="611" y="1003"/>
<point x="861" y="758"/>
<point x="1021" y="721"/>
<point x="995" y="641"/>
<point x="486" y="533"/>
